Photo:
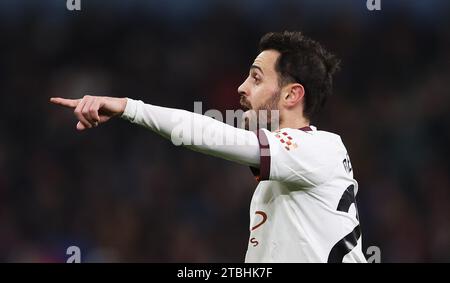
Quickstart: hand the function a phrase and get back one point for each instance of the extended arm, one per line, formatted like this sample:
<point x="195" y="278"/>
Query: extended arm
<point x="192" y="130"/>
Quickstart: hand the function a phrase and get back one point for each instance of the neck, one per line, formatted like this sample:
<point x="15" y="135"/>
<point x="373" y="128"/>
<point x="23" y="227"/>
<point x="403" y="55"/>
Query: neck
<point x="294" y="122"/>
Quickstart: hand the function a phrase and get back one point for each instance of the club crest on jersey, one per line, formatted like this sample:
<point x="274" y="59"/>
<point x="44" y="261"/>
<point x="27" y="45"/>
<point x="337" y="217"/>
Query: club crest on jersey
<point x="286" y="140"/>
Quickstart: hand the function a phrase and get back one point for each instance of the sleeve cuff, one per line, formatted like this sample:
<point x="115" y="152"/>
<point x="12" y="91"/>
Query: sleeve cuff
<point x="130" y="110"/>
<point x="263" y="173"/>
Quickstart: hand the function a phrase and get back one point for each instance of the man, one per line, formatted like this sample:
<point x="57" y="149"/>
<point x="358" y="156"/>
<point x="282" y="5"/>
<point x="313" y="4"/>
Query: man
<point x="304" y="208"/>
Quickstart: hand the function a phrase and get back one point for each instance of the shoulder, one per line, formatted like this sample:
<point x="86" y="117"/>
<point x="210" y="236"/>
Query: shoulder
<point x="315" y="145"/>
<point x="305" y="156"/>
<point x="329" y="137"/>
<point x="310" y="134"/>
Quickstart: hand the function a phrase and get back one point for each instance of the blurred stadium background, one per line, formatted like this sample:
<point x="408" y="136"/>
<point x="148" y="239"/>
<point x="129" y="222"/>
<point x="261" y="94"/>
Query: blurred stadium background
<point x="121" y="193"/>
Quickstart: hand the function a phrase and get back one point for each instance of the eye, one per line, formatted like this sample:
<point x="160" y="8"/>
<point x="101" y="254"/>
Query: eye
<point x="256" y="78"/>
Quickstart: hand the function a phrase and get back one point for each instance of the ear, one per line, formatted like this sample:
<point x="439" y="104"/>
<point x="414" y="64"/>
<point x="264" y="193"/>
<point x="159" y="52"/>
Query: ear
<point x="293" y="94"/>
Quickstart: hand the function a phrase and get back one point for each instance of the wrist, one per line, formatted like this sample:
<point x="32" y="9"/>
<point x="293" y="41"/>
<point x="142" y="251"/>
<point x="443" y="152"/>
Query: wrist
<point x="122" y="105"/>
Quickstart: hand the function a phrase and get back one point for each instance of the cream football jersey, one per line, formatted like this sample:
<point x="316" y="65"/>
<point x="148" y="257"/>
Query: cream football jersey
<point x="304" y="209"/>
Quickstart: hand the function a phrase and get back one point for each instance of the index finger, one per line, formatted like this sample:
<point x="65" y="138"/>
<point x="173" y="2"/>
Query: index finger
<point x="71" y="103"/>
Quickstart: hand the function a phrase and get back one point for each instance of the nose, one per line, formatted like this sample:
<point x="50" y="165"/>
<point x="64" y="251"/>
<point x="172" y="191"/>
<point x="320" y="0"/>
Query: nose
<point x="242" y="90"/>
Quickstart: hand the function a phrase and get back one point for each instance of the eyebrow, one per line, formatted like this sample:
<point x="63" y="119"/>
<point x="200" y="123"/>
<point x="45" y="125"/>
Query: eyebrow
<point x="257" y="67"/>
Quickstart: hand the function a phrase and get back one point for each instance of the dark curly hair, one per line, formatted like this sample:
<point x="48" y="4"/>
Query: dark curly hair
<point x="303" y="61"/>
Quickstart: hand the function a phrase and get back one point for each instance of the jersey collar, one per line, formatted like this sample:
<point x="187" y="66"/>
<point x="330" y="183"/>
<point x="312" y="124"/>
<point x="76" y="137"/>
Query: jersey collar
<point x="308" y="128"/>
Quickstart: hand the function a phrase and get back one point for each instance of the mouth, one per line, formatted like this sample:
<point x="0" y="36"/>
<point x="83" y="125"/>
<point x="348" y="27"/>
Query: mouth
<point x="245" y="103"/>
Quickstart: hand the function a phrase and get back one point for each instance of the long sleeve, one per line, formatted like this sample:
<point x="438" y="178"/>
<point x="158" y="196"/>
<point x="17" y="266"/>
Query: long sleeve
<point x="197" y="132"/>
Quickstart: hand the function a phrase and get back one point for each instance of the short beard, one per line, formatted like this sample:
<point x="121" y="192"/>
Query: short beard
<point x="265" y="116"/>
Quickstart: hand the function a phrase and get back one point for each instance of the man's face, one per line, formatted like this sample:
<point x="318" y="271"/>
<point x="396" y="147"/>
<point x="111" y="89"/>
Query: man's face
<point x="260" y="91"/>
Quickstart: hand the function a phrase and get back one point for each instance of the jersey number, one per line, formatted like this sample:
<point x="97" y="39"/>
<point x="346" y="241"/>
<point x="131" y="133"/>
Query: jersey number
<point x="263" y="220"/>
<point x="346" y="244"/>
